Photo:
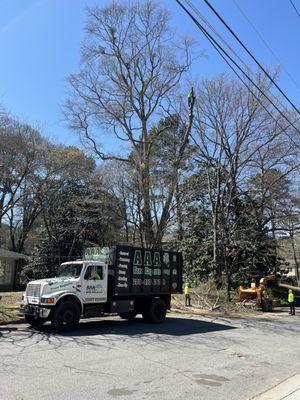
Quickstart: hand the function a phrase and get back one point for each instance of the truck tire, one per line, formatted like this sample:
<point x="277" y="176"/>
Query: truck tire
<point x="35" y="322"/>
<point x="65" y="317"/>
<point x="156" y="313"/>
<point x="130" y="315"/>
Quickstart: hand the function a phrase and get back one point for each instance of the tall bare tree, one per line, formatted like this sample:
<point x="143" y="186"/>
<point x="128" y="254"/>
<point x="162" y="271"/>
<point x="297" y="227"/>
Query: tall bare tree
<point x="130" y="69"/>
<point x="290" y="225"/>
<point x="232" y="127"/>
<point x="19" y="159"/>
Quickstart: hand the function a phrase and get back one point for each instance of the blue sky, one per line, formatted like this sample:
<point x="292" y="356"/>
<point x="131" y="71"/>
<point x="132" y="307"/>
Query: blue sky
<point x="40" y="44"/>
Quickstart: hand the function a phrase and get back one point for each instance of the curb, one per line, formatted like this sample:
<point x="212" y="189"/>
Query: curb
<point x="289" y="389"/>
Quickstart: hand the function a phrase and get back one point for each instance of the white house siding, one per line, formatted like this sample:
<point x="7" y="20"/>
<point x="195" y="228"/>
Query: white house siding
<point x="7" y="272"/>
<point x="8" y="260"/>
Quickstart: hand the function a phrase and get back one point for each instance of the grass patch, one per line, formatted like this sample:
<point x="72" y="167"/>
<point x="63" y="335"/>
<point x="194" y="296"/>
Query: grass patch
<point x="9" y="306"/>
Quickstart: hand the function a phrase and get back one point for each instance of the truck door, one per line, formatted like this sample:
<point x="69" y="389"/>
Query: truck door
<point x="94" y="285"/>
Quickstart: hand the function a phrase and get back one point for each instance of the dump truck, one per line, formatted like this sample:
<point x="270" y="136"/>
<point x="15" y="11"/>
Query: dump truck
<point x="121" y="280"/>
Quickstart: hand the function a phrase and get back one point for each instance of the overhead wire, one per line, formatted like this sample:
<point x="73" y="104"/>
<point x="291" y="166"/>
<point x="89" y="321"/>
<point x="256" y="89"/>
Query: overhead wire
<point x="196" y="11"/>
<point x="282" y="129"/>
<point x="265" y="43"/>
<point x="250" y="54"/>
<point x="249" y="70"/>
<point x="225" y="57"/>
<point x="295" y="8"/>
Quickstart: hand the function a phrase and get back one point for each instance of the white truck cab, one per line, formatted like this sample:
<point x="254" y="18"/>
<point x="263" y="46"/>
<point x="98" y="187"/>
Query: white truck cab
<point x="82" y="282"/>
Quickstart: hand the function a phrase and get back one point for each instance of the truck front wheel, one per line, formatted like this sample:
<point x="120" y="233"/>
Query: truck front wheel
<point x="156" y="312"/>
<point x="65" y="317"/>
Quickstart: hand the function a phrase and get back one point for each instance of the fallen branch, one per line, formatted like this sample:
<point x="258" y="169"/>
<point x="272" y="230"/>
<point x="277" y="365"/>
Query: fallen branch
<point x="204" y="298"/>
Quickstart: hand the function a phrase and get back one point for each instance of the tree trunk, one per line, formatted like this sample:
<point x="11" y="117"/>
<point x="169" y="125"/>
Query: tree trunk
<point x="146" y="210"/>
<point x="295" y="258"/>
<point x="216" y="258"/>
<point x="179" y="215"/>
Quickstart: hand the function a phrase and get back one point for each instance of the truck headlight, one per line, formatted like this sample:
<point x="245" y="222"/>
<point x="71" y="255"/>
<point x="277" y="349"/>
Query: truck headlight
<point x="48" y="300"/>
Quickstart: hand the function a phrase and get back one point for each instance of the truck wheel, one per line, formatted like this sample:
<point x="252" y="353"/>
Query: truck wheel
<point x="130" y="315"/>
<point x="35" y="322"/>
<point x="65" y="317"/>
<point x="157" y="312"/>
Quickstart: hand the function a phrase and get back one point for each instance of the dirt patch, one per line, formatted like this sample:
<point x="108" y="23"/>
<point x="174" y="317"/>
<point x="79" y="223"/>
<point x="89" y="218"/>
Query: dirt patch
<point x="9" y="307"/>
<point x="231" y="310"/>
<point x="215" y="313"/>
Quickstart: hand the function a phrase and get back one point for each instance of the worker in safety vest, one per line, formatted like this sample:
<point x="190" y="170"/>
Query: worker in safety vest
<point x="94" y="275"/>
<point x="187" y="295"/>
<point x="291" y="302"/>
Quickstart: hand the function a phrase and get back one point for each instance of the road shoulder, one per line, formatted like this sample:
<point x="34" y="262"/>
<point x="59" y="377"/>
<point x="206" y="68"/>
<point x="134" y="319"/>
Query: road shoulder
<point x="289" y="389"/>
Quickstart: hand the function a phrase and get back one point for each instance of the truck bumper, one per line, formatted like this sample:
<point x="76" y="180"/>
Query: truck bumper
<point x="35" y="311"/>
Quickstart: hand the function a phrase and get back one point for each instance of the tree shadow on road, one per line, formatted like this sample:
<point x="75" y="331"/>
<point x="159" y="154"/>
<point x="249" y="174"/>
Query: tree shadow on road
<point x="105" y="334"/>
<point x="172" y="326"/>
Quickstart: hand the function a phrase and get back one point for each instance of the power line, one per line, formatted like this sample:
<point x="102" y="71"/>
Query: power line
<point x="224" y="54"/>
<point x="249" y="71"/>
<point x="191" y="5"/>
<point x="266" y="43"/>
<point x="251" y="55"/>
<point x="295" y="8"/>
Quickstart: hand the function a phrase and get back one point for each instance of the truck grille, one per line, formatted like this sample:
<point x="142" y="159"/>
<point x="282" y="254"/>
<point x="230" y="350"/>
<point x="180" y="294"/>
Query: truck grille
<point x="33" y="289"/>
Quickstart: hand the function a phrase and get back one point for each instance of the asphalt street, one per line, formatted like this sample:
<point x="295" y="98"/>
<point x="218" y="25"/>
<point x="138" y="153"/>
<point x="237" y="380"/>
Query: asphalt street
<point x="187" y="357"/>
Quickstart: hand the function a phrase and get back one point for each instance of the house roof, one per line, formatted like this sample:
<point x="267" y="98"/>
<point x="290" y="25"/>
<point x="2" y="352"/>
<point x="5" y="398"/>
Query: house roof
<point x="11" y="254"/>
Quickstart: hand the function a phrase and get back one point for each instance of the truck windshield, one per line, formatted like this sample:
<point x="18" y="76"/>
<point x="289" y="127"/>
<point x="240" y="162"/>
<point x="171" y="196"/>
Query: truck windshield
<point x="72" y="270"/>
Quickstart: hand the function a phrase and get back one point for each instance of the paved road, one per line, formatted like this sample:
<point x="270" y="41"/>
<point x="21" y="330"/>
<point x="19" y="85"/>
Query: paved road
<point x="186" y="357"/>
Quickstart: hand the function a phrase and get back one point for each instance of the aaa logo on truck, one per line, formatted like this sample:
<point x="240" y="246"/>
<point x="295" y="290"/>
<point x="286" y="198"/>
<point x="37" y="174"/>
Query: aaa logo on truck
<point x="93" y="289"/>
<point x="138" y="259"/>
<point x="148" y="269"/>
<point x="96" y="254"/>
